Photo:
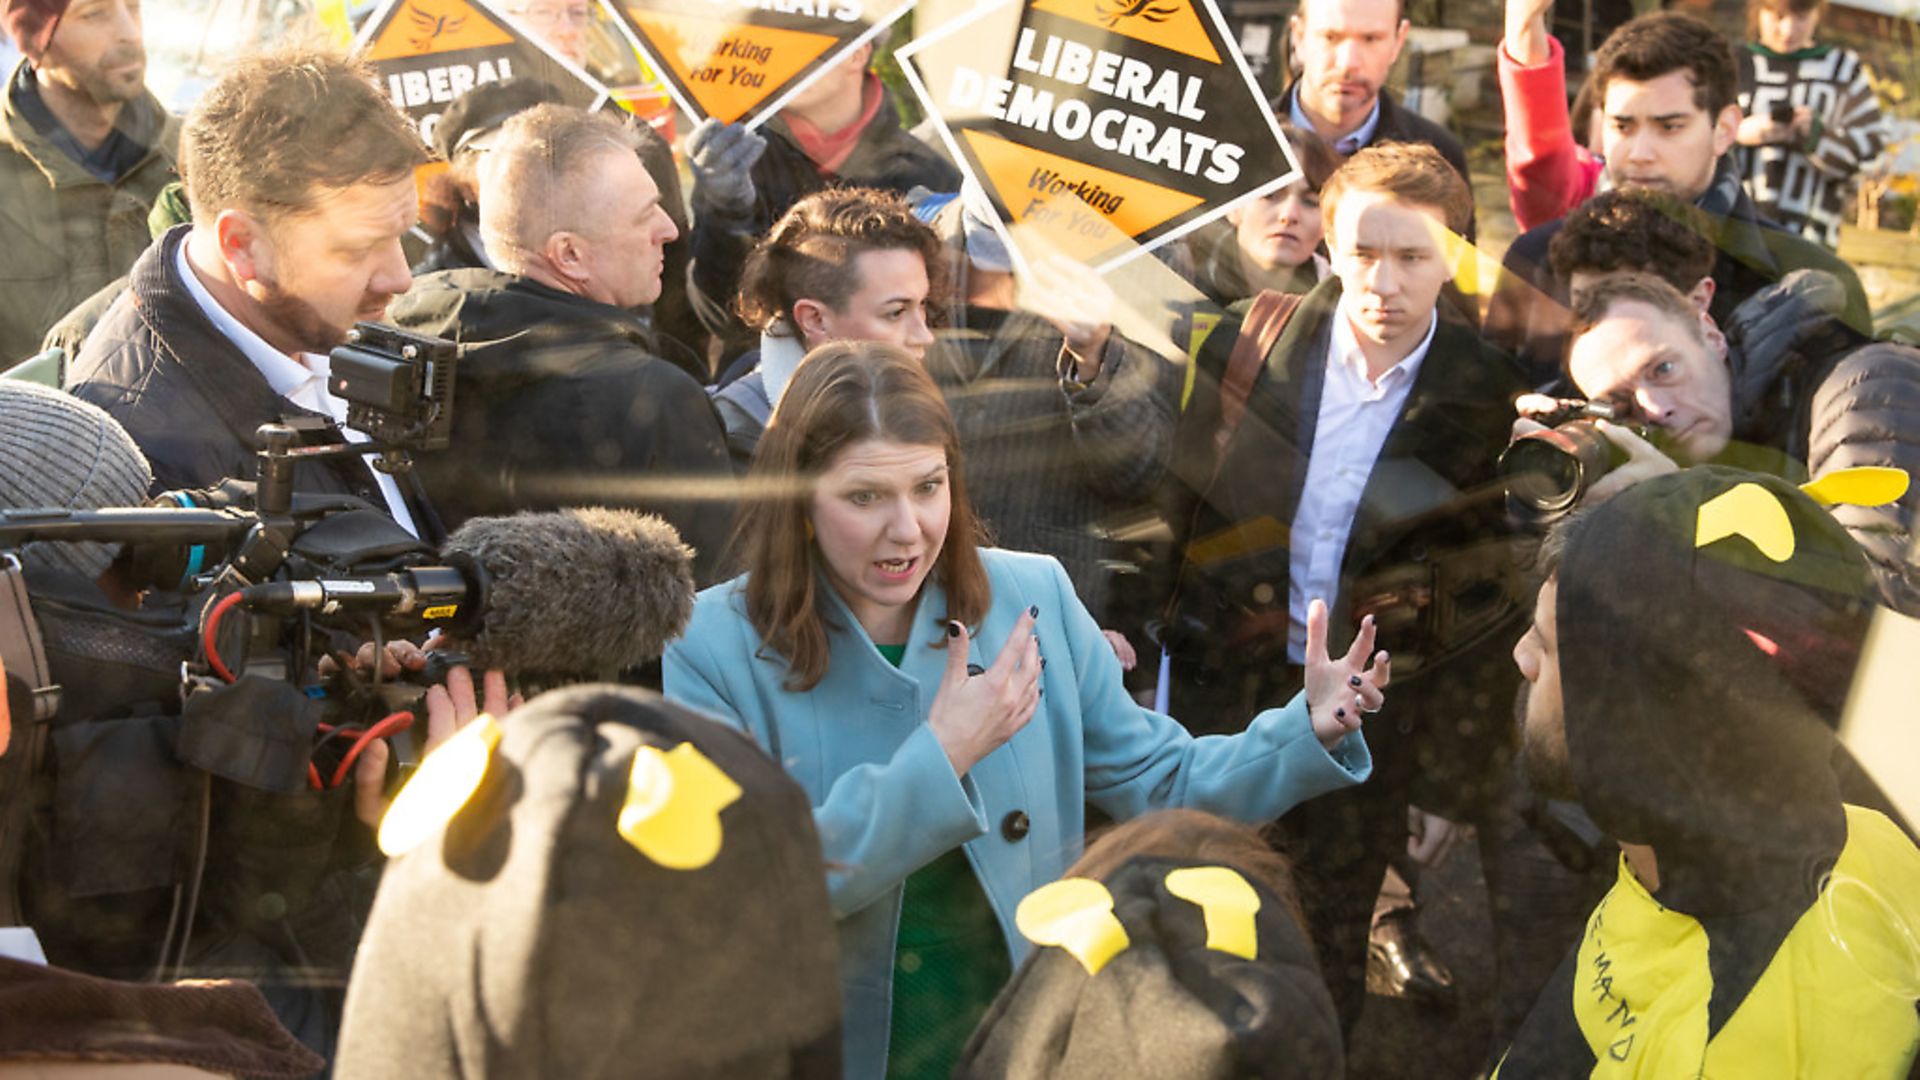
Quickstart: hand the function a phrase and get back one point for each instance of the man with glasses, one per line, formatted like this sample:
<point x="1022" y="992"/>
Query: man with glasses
<point x="561" y="25"/>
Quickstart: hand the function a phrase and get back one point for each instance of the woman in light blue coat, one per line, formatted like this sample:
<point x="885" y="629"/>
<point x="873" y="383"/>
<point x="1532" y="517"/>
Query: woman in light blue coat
<point x="951" y="709"/>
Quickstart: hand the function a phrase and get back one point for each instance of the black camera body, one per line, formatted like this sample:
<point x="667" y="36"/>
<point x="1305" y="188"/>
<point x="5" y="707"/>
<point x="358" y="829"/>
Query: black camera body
<point x="210" y="702"/>
<point x="398" y="388"/>
<point x="1547" y="473"/>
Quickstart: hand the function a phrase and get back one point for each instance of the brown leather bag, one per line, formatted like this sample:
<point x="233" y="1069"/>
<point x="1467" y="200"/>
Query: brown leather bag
<point x="1260" y="331"/>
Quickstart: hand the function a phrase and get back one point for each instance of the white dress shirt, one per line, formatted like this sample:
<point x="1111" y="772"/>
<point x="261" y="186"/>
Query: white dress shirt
<point x="1356" y="413"/>
<point x="300" y="379"/>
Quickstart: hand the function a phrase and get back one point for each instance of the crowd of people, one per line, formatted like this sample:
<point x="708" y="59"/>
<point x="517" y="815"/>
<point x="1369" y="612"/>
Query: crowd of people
<point x="1279" y="512"/>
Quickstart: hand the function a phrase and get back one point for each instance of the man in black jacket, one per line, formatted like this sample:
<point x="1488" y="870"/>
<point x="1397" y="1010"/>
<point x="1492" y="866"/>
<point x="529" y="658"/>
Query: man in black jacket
<point x="1362" y="475"/>
<point x="843" y="130"/>
<point x="1345" y="49"/>
<point x="300" y="176"/>
<point x="1788" y="389"/>
<point x="563" y="398"/>
<point x="1666" y="83"/>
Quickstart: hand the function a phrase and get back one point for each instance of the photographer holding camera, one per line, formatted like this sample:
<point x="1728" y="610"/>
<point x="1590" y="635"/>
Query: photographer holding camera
<point x="300" y="176"/>
<point x="1794" y="393"/>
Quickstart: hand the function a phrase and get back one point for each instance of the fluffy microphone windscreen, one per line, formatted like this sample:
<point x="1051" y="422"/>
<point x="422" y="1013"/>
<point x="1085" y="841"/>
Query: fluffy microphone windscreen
<point x="577" y="593"/>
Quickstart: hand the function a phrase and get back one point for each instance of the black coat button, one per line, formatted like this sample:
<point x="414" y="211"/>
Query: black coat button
<point x="1015" y="826"/>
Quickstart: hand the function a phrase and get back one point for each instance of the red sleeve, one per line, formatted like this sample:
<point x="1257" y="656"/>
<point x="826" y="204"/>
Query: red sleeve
<point x="1548" y="173"/>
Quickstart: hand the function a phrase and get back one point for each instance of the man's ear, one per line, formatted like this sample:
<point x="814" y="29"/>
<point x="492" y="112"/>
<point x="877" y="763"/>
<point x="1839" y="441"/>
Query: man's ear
<point x="810" y="318"/>
<point x="568" y="255"/>
<point x="1725" y="127"/>
<point x="1702" y="293"/>
<point x="244" y="245"/>
<point x="1400" y="37"/>
<point x="1296" y="32"/>
<point x="1716" y="341"/>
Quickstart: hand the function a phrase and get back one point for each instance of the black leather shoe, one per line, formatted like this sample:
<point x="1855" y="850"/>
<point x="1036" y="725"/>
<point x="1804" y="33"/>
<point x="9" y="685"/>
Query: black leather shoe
<point x="1401" y="964"/>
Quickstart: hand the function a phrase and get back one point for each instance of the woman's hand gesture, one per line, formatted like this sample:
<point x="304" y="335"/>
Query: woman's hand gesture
<point x="973" y="715"/>
<point x="1338" y="691"/>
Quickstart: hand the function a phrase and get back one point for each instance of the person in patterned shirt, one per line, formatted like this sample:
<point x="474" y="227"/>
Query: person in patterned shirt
<point x="1812" y="119"/>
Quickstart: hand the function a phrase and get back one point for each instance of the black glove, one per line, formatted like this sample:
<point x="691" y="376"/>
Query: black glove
<point x="722" y="157"/>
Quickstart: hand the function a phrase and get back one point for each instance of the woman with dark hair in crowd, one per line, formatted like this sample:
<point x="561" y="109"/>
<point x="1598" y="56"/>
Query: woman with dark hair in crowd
<point x="849" y="264"/>
<point x="1272" y="242"/>
<point x="949" y="778"/>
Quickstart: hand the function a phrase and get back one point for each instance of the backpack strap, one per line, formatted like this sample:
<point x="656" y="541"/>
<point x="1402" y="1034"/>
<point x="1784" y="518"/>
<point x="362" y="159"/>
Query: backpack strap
<point x="1265" y="321"/>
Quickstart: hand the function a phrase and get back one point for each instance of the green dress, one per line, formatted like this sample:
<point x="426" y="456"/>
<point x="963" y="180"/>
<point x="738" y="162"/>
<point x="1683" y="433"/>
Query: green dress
<point x="949" y="960"/>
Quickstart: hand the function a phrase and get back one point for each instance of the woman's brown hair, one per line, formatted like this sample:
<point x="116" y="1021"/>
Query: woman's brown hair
<point x="1317" y="159"/>
<point x="809" y="253"/>
<point x="843" y="392"/>
<point x="1193" y="837"/>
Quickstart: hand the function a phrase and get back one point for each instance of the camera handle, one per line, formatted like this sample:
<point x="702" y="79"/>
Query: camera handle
<point x="280" y="451"/>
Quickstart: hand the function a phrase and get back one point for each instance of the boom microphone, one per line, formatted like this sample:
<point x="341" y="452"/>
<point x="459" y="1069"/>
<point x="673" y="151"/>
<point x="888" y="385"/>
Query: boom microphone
<point x="578" y="593"/>
<point x="565" y="595"/>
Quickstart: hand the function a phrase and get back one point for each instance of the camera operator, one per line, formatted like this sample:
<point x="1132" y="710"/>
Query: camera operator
<point x="128" y="859"/>
<point x="1795" y="393"/>
<point x="300" y="177"/>
<point x="1690" y="656"/>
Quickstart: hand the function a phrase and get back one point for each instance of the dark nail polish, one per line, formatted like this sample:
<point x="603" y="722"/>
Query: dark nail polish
<point x="953" y="629"/>
<point x="975" y="669"/>
<point x="1034" y="611"/>
<point x="1340" y="714"/>
<point x="1043" y="663"/>
<point x="1354" y="681"/>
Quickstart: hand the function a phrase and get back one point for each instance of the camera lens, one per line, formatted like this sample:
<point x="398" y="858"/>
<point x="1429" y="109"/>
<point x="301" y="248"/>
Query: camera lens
<point x="1540" y="475"/>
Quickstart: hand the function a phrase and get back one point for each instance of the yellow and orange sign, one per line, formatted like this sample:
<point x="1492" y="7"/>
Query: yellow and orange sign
<point x="1099" y="129"/>
<point x="428" y="53"/>
<point x="743" y="61"/>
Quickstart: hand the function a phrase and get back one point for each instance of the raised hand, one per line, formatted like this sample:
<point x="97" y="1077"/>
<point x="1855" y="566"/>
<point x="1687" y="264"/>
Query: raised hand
<point x="1078" y="302"/>
<point x="1339" y="691"/>
<point x="1526" y="31"/>
<point x="972" y="715"/>
<point x="721" y="157"/>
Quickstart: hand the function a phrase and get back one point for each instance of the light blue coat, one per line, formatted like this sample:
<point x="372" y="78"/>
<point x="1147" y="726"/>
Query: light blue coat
<point x="886" y="799"/>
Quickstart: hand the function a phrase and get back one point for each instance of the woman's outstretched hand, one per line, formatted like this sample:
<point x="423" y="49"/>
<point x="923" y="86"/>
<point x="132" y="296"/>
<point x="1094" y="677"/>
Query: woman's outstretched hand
<point x="973" y="715"/>
<point x="1338" y="691"/>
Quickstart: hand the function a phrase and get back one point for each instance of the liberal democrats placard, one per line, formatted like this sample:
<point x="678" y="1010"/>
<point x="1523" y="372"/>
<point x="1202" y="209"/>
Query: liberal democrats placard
<point x="1100" y="129"/>
<point x="742" y="60"/>
<point x="429" y="52"/>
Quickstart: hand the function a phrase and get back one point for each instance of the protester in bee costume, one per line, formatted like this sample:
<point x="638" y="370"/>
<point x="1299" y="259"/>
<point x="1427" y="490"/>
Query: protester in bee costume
<point x="1175" y="949"/>
<point x="1690" y="655"/>
<point x="602" y="885"/>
